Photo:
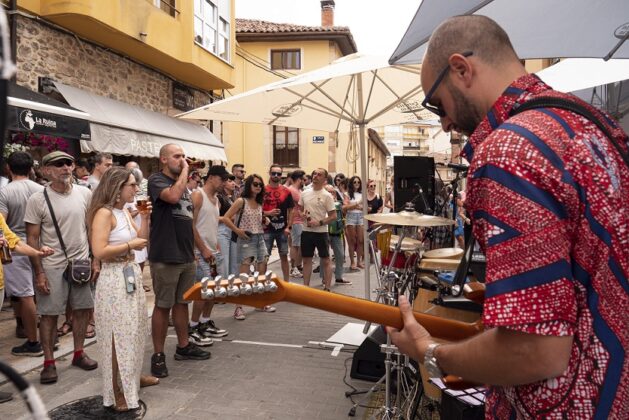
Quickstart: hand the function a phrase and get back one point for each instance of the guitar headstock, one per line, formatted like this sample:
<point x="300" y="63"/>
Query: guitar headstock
<point x="257" y="290"/>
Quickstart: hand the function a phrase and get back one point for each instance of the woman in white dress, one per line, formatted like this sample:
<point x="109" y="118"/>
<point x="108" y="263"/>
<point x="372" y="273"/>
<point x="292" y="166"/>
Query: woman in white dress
<point x="119" y="305"/>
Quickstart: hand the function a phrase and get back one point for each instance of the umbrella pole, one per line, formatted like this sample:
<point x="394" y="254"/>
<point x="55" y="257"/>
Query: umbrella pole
<point x="364" y="175"/>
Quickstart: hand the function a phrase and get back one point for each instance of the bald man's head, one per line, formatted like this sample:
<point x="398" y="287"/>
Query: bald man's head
<point x="459" y="34"/>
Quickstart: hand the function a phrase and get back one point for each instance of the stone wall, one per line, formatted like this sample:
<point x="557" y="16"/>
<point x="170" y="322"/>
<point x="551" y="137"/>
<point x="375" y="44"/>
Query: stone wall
<point x="45" y="51"/>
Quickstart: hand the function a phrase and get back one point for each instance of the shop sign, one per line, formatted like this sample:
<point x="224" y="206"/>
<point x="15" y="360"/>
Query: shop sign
<point x="183" y="98"/>
<point x="318" y="139"/>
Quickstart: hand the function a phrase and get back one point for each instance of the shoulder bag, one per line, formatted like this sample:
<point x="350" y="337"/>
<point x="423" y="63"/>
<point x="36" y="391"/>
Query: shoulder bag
<point x="234" y="237"/>
<point x="78" y="271"/>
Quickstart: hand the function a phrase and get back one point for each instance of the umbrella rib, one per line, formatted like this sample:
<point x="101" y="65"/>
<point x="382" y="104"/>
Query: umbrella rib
<point x="342" y="108"/>
<point x="400" y="99"/>
<point x="349" y="87"/>
<point x="303" y="98"/>
<point x="373" y="81"/>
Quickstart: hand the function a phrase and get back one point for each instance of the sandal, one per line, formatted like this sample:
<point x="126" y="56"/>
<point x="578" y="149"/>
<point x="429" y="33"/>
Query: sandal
<point x="65" y="329"/>
<point x="90" y="333"/>
<point x="146" y="288"/>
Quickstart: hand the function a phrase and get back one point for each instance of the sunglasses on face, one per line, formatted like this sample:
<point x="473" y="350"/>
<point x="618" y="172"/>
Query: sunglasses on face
<point x="257" y="184"/>
<point x="437" y="109"/>
<point x="356" y="182"/>
<point x="276" y="174"/>
<point x="372" y="186"/>
<point x="61" y="163"/>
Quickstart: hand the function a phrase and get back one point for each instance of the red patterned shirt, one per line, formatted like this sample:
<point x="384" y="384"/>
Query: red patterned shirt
<point x="549" y="196"/>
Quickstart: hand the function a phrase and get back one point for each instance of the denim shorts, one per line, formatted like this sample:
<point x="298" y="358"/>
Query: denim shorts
<point x="253" y="249"/>
<point x="354" y="218"/>
<point x="295" y="234"/>
<point x="279" y="238"/>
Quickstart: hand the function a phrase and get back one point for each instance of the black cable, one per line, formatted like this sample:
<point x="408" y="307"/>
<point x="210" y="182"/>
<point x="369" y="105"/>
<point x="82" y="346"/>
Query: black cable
<point x="354" y="391"/>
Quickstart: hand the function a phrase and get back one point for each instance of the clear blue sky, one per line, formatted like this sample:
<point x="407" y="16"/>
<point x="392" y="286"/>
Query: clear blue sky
<point x="377" y="26"/>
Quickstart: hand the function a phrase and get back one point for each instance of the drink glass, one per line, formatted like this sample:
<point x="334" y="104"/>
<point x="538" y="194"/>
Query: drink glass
<point x="142" y="203"/>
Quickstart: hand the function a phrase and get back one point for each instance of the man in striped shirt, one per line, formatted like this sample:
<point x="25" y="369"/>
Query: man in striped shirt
<point x="547" y="193"/>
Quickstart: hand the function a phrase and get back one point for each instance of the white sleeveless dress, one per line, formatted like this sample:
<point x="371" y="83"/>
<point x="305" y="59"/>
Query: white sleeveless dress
<point x="121" y="316"/>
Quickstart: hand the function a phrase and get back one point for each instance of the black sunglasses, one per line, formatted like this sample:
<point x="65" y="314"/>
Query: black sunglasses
<point x="276" y="174"/>
<point x="425" y="103"/>
<point x="257" y="184"/>
<point x="60" y="163"/>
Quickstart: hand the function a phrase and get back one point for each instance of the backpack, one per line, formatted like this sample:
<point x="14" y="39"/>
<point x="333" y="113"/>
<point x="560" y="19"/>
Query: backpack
<point x="337" y="226"/>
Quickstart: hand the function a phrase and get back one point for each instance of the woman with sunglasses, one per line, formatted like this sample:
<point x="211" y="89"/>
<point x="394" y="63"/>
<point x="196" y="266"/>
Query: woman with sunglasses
<point x="354" y="222"/>
<point x="119" y="302"/>
<point x="251" y="248"/>
<point x="375" y="203"/>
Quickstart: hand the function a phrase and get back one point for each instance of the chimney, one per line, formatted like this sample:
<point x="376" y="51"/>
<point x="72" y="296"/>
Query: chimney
<point x="327" y="13"/>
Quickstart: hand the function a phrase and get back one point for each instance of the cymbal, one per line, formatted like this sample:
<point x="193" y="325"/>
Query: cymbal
<point x="408" y="244"/>
<point x="408" y="218"/>
<point x="449" y="253"/>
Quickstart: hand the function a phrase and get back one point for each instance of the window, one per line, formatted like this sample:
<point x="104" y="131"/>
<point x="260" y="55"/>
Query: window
<point x="285" y="59"/>
<point x="212" y="26"/>
<point x="168" y="6"/>
<point x="286" y="146"/>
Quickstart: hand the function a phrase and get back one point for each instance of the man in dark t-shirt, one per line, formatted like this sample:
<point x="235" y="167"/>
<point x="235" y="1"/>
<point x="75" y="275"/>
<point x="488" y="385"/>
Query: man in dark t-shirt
<point x="278" y="207"/>
<point x="171" y="256"/>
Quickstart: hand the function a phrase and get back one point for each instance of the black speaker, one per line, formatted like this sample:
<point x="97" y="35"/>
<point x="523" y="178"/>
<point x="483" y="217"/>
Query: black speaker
<point x="453" y="409"/>
<point x="368" y="361"/>
<point x="410" y="173"/>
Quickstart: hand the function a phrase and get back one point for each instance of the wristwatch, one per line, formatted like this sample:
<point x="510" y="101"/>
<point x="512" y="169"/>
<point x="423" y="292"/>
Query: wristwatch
<point x="430" y="362"/>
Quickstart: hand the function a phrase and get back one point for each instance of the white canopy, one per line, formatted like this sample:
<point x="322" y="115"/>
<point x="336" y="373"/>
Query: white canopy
<point x="537" y="28"/>
<point x="327" y="99"/>
<point x="582" y="73"/>
<point x="124" y="129"/>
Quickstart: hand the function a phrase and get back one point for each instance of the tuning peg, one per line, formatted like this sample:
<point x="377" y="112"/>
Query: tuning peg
<point x="269" y="284"/>
<point x="205" y="292"/>
<point x="231" y="289"/>
<point x="219" y="291"/>
<point x="258" y="287"/>
<point x="245" y="287"/>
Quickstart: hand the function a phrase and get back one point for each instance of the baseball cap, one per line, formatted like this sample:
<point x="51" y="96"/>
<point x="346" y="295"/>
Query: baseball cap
<point x="218" y="170"/>
<point x="54" y="156"/>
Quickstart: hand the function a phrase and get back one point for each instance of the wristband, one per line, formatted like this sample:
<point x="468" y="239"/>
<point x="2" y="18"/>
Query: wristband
<point x="128" y="247"/>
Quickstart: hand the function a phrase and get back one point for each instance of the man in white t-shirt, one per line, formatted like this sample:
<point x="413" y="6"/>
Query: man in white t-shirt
<point x="318" y="211"/>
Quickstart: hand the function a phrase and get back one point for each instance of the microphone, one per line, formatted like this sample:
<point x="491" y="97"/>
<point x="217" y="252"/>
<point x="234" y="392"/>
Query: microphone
<point x="456" y="166"/>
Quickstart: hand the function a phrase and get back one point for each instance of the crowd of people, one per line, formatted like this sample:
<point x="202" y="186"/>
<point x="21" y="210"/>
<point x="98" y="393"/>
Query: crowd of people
<point x="82" y="240"/>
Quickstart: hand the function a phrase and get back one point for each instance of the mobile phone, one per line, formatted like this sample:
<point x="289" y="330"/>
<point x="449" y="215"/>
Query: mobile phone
<point x="129" y="277"/>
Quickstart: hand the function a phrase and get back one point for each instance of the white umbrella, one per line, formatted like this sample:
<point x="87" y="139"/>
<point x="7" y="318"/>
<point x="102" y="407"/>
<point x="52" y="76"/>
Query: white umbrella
<point x="537" y="28"/>
<point x="582" y="73"/>
<point x="354" y="92"/>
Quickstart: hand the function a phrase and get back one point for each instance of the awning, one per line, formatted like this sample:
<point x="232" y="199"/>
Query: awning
<point x="123" y="129"/>
<point x="33" y="112"/>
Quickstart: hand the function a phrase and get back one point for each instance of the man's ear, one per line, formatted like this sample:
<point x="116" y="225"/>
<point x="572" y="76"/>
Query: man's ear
<point x="461" y="69"/>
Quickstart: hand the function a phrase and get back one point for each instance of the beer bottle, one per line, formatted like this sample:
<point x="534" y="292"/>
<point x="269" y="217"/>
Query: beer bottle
<point x="5" y="255"/>
<point x="213" y="266"/>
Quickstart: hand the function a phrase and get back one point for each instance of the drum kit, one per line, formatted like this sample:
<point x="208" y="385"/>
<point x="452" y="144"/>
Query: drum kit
<point x="406" y="266"/>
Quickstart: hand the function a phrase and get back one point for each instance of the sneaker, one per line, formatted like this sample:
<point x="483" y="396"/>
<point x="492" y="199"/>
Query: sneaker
<point x="209" y="329"/>
<point x="158" y="365"/>
<point x="342" y="282"/>
<point x="296" y="273"/>
<point x="191" y="352"/>
<point x="267" y="308"/>
<point x="28" y="349"/>
<point x="239" y="314"/>
<point x="195" y="335"/>
<point x="317" y="269"/>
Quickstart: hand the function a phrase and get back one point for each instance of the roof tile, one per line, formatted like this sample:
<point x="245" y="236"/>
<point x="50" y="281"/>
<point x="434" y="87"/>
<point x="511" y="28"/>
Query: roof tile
<point x="261" y="26"/>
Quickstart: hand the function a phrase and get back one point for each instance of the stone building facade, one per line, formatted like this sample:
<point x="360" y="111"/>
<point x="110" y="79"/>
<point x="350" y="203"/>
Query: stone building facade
<point x="44" y="50"/>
